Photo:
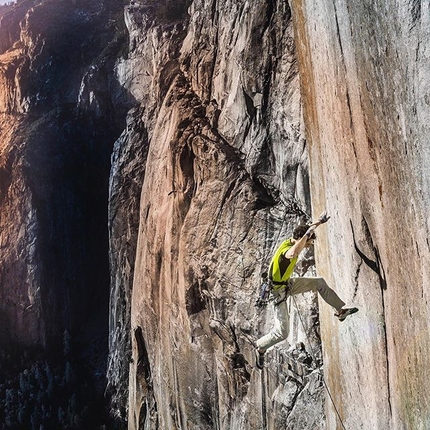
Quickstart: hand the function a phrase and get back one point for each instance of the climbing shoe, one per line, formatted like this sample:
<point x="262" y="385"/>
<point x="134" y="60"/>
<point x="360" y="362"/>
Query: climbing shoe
<point x="259" y="359"/>
<point x="343" y="313"/>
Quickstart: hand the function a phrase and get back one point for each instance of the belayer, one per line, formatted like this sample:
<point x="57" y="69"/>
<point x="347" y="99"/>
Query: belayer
<point x="280" y="270"/>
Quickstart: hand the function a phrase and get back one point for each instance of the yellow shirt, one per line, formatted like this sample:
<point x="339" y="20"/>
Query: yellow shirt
<point x="281" y="267"/>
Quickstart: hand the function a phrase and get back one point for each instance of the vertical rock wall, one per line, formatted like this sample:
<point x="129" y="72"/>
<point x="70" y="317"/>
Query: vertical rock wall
<point x="204" y="177"/>
<point x="217" y="144"/>
<point x="225" y="158"/>
<point x="364" y="68"/>
<point x="57" y="130"/>
<point x="61" y="111"/>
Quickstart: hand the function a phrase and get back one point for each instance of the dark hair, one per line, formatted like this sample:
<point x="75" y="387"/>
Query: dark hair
<point x="300" y="231"/>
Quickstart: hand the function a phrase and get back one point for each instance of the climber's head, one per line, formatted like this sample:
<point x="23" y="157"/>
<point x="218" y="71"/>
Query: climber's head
<point x="300" y="231"/>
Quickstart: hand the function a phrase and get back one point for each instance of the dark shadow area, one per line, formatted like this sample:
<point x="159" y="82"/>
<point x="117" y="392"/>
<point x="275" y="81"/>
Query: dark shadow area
<point x="59" y="390"/>
<point x="375" y="265"/>
<point x="62" y="153"/>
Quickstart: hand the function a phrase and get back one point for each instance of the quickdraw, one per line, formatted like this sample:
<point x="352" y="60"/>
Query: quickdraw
<point x="264" y="296"/>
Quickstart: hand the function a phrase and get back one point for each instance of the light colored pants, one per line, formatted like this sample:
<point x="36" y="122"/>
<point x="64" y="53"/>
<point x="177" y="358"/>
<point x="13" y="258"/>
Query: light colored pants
<point x="281" y="325"/>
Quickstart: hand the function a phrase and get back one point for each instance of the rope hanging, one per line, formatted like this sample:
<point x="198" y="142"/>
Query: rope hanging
<point x="314" y="358"/>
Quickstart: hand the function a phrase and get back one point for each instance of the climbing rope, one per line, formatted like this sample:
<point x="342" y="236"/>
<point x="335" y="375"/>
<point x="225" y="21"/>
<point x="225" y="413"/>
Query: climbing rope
<point x="263" y="402"/>
<point x="292" y="206"/>
<point x="263" y="383"/>
<point x="319" y="369"/>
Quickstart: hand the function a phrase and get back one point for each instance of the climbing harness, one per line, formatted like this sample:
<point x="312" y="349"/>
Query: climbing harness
<point x="314" y="358"/>
<point x="267" y="285"/>
<point x="269" y="294"/>
<point x="277" y="291"/>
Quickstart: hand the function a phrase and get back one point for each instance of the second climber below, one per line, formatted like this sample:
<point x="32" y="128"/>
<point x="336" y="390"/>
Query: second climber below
<point x="280" y="270"/>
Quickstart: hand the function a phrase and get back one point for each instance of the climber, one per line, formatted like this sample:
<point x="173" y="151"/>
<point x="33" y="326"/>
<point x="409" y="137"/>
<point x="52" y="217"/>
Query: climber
<point x="280" y="271"/>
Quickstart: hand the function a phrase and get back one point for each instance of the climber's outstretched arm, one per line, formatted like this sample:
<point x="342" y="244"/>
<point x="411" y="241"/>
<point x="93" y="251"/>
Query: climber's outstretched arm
<point x="298" y="247"/>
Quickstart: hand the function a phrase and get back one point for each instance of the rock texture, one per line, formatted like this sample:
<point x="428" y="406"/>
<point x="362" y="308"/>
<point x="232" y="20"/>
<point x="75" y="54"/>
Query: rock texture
<point x="363" y="68"/>
<point x="61" y="110"/>
<point x="55" y="155"/>
<point x="158" y="148"/>
<point x="225" y="160"/>
<point x="162" y="113"/>
<point x="57" y="130"/>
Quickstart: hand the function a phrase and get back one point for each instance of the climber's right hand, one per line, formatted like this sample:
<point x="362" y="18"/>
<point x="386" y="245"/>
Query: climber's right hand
<point x="323" y="218"/>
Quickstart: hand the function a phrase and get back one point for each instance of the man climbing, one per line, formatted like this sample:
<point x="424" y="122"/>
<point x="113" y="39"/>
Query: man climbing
<point x="280" y="271"/>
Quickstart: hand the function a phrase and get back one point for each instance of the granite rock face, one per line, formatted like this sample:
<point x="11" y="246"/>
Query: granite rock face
<point x="163" y="114"/>
<point x="224" y="168"/>
<point x="54" y="168"/>
<point x="158" y="147"/>
<point x="61" y="110"/>
<point x="364" y="69"/>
